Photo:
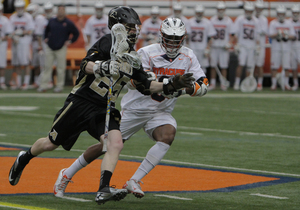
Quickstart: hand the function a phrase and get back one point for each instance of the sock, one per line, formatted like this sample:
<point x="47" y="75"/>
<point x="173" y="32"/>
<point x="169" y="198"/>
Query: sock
<point x="26" y="79"/>
<point x="36" y="80"/>
<point x="75" y="167"/>
<point x="105" y="179"/>
<point x="2" y="80"/>
<point x="153" y="157"/>
<point x="213" y="81"/>
<point x="287" y="80"/>
<point x="24" y="159"/>
<point x="237" y="80"/>
<point x="260" y="80"/>
<point x="296" y="82"/>
<point x="19" y="80"/>
<point x="274" y="81"/>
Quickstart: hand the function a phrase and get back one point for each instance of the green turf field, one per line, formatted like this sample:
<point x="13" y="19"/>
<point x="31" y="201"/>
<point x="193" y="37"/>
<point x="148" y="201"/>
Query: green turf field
<point x="256" y="133"/>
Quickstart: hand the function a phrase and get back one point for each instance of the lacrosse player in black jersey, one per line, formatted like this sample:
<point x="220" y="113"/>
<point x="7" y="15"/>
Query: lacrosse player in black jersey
<point x="85" y="107"/>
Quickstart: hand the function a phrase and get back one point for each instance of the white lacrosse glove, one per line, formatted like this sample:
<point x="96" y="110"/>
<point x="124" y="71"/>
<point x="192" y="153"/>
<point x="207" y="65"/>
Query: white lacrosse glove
<point x="257" y="50"/>
<point x="237" y="49"/>
<point x="279" y="36"/>
<point x="228" y="46"/>
<point x="106" y="68"/>
<point x="285" y="36"/>
<point x="19" y="32"/>
<point x="206" y="53"/>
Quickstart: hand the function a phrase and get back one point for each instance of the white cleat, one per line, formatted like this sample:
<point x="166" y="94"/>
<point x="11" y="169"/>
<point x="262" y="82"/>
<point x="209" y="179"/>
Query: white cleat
<point x="110" y="194"/>
<point x="236" y="87"/>
<point x="61" y="184"/>
<point x="134" y="187"/>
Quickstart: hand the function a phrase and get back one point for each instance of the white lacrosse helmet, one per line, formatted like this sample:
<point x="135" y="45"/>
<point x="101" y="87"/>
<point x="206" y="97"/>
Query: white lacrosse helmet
<point x="33" y="9"/>
<point x="259" y="4"/>
<point x="221" y="7"/>
<point x="295" y="11"/>
<point x="99" y="5"/>
<point x="48" y="5"/>
<point x="199" y="10"/>
<point x="172" y="36"/>
<point x="248" y="6"/>
<point x="155" y="10"/>
<point x="177" y="9"/>
<point x="280" y="11"/>
<point x="19" y="3"/>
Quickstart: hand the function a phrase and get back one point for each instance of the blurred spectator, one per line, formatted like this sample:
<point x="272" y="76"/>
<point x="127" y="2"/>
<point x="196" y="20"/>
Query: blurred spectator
<point x="281" y="31"/>
<point x="96" y="26"/>
<point x="247" y="32"/>
<point x="221" y="45"/>
<point x="23" y="25"/>
<point x="260" y="56"/>
<point x="59" y="34"/>
<point x="5" y="31"/>
<point x="295" y="59"/>
<point x="201" y="35"/>
<point x="151" y="26"/>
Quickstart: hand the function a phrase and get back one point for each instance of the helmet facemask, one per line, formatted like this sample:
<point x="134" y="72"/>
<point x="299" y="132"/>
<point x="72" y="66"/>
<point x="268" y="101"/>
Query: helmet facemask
<point x="133" y="32"/>
<point x="295" y="16"/>
<point x="172" y="36"/>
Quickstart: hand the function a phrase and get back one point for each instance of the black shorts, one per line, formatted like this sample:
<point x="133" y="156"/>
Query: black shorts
<point x="78" y="115"/>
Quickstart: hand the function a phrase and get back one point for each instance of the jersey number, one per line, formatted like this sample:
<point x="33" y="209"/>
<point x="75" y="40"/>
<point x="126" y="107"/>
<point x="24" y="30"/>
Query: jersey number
<point x="101" y="86"/>
<point x="194" y="36"/>
<point x="99" y="32"/>
<point x="248" y="33"/>
<point x="220" y="34"/>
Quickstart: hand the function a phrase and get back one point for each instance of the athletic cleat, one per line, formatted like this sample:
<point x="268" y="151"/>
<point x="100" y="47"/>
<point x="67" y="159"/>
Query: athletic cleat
<point x="61" y="184"/>
<point x="273" y="87"/>
<point x="3" y="86"/>
<point x="236" y="87"/>
<point x="16" y="170"/>
<point x="259" y="87"/>
<point x="134" y="187"/>
<point x="110" y="194"/>
<point x="288" y="87"/>
<point x="24" y="87"/>
<point x="295" y="87"/>
<point x="211" y="87"/>
<point x="223" y="87"/>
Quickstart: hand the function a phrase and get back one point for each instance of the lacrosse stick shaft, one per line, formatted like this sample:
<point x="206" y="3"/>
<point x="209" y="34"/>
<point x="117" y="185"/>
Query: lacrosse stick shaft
<point x="104" y="149"/>
<point x="222" y="78"/>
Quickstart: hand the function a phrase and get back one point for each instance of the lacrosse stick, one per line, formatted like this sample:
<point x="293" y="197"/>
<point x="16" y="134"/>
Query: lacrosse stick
<point x="281" y="76"/>
<point x="249" y="84"/>
<point x="223" y="80"/>
<point x="119" y="45"/>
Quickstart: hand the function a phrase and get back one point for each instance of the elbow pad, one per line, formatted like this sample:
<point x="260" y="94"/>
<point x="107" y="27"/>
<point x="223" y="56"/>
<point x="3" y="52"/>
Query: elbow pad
<point x="200" y="87"/>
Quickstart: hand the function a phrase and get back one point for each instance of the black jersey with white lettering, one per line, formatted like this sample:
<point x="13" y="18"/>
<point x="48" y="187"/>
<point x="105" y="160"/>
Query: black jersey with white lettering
<point x="96" y="89"/>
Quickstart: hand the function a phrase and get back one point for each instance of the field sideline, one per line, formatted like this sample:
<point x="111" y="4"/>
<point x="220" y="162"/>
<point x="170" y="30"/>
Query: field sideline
<point x="232" y="151"/>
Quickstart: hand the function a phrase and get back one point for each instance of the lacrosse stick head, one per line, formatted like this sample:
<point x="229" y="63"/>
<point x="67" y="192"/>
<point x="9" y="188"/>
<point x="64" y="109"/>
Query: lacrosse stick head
<point x="248" y="85"/>
<point x="280" y="77"/>
<point x="119" y="41"/>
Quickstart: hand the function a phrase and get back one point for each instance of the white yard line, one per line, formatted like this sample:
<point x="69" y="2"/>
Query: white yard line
<point x="269" y="196"/>
<point x="18" y="108"/>
<point x="76" y="199"/>
<point x="239" y="132"/>
<point x="174" y="197"/>
<point x="189" y="133"/>
<point x="12" y="207"/>
<point x="2" y="134"/>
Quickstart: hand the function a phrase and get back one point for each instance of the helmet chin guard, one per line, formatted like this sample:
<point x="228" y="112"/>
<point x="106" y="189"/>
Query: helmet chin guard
<point x="172" y="36"/>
